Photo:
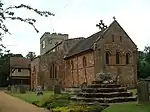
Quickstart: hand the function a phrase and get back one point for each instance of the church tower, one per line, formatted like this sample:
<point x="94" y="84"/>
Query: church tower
<point x="48" y="41"/>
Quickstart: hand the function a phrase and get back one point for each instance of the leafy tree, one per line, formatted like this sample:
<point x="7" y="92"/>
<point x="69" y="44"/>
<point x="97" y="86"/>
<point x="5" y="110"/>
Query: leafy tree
<point x="31" y="55"/>
<point x="8" y="14"/>
<point x="147" y="53"/>
<point x="144" y="63"/>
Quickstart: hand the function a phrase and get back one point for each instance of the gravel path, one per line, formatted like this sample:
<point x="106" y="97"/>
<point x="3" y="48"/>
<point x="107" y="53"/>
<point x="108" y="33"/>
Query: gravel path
<point x="12" y="104"/>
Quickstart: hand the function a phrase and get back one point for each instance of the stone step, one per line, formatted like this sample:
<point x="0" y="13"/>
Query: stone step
<point x="98" y="82"/>
<point x="105" y="105"/>
<point x="105" y="95"/>
<point x="72" y="90"/>
<point x="104" y="90"/>
<point x="103" y="86"/>
<point x="106" y="100"/>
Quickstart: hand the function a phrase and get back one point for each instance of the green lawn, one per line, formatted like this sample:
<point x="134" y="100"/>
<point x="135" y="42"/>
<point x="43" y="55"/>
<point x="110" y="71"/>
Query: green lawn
<point x="30" y="97"/>
<point x="128" y="107"/>
<point x="124" y="107"/>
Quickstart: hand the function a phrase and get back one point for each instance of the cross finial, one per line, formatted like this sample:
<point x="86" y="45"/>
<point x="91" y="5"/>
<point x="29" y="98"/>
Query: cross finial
<point x="114" y="18"/>
<point x="101" y="25"/>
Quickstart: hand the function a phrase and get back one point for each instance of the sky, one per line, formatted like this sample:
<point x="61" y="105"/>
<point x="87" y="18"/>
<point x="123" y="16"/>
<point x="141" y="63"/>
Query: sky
<point x="78" y="18"/>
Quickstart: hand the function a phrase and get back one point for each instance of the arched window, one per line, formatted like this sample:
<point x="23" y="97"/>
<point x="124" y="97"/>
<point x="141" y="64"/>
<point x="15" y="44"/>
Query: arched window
<point x="107" y="56"/>
<point x="120" y="38"/>
<point x="113" y="38"/>
<point x="117" y="58"/>
<point x="55" y="76"/>
<point x="127" y="58"/>
<point x="72" y="65"/>
<point x="50" y="72"/>
<point x="84" y="61"/>
<point x="53" y="70"/>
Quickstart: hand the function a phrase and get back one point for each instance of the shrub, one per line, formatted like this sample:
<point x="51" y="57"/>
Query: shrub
<point x="58" y="103"/>
<point x="56" y="100"/>
<point x="96" y="108"/>
<point x="74" y="107"/>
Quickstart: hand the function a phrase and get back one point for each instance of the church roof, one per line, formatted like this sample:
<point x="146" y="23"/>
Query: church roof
<point x="84" y="45"/>
<point x="87" y="43"/>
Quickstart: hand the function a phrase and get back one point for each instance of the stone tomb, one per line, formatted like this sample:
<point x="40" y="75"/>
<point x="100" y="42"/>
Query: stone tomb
<point x="143" y="90"/>
<point x="104" y="90"/>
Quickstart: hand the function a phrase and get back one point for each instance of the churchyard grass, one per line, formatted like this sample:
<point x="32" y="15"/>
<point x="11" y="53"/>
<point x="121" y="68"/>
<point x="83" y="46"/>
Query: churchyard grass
<point x="56" y="102"/>
<point x="31" y="97"/>
<point x="61" y="102"/>
<point x="128" y="107"/>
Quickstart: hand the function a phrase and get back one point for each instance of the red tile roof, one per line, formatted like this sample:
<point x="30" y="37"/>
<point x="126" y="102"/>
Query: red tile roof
<point x="19" y="62"/>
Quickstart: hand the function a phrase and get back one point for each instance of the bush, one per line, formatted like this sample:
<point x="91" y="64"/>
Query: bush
<point x="58" y="103"/>
<point x="74" y="107"/>
<point x="56" y="100"/>
<point x="96" y="108"/>
<point x="80" y="107"/>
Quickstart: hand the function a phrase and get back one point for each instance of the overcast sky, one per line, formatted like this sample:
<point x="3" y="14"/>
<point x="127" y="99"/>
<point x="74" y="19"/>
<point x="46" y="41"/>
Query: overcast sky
<point x="78" y="18"/>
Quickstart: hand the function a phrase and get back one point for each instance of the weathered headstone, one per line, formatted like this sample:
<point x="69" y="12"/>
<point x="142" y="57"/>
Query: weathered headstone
<point x="22" y="89"/>
<point x="142" y="91"/>
<point x="13" y="89"/>
<point x="9" y="88"/>
<point x="39" y="90"/>
<point x="83" y="85"/>
<point x="57" y="89"/>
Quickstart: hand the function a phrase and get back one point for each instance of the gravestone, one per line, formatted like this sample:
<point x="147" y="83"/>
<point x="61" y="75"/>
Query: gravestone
<point x="142" y="91"/>
<point x="83" y="85"/>
<point x="22" y="89"/>
<point x="8" y="88"/>
<point x="39" y="90"/>
<point x="13" y="89"/>
<point x="57" y="89"/>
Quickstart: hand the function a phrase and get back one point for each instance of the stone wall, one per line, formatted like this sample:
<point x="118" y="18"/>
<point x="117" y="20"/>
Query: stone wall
<point x="78" y="73"/>
<point x="55" y="58"/>
<point x="116" y="40"/>
<point x="35" y="78"/>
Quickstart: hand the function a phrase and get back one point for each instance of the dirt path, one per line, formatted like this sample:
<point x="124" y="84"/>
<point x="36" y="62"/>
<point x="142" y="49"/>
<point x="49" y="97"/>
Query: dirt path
<point x="12" y="104"/>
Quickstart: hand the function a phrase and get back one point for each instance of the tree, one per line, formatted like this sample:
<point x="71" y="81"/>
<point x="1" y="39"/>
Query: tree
<point x="31" y="55"/>
<point x="147" y="53"/>
<point x="144" y="63"/>
<point x="4" y="67"/>
<point x="7" y="13"/>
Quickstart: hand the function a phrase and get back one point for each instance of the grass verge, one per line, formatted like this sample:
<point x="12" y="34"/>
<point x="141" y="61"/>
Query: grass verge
<point x="128" y="107"/>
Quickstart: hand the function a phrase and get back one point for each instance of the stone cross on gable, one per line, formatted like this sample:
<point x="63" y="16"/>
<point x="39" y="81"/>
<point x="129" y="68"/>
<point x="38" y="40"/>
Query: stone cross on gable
<point x="101" y="25"/>
<point x="114" y="18"/>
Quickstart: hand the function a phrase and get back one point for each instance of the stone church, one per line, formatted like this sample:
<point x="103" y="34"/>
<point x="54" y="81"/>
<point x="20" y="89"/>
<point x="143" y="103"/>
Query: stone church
<point x="76" y="61"/>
